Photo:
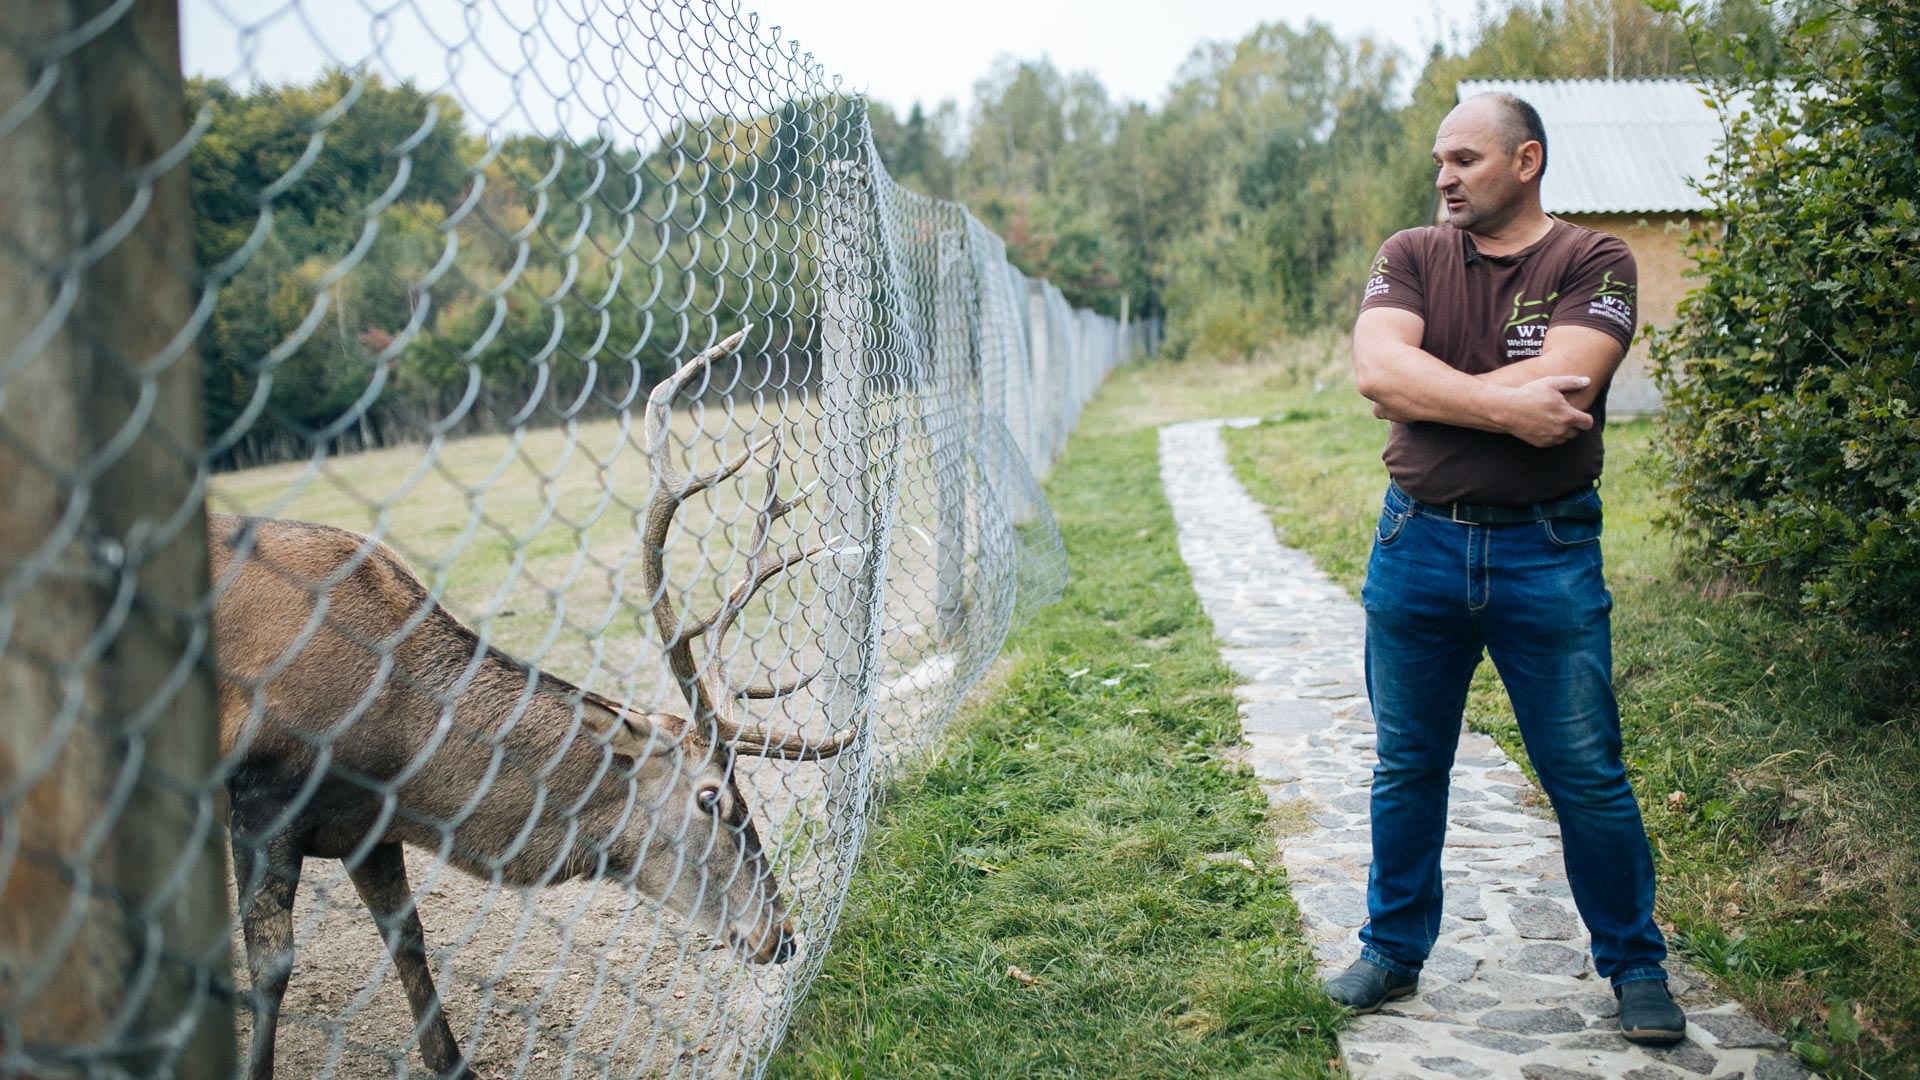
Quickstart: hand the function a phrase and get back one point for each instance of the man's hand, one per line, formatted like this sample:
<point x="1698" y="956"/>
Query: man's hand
<point x="1539" y="413"/>
<point x="1407" y="384"/>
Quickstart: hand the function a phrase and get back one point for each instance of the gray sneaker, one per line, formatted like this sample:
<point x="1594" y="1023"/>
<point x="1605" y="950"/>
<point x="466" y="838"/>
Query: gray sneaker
<point x="1648" y="1015"/>
<point x="1366" y="986"/>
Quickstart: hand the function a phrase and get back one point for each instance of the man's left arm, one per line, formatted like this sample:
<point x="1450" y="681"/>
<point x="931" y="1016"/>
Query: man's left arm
<point x="1589" y="331"/>
<point x="1567" y="350"/>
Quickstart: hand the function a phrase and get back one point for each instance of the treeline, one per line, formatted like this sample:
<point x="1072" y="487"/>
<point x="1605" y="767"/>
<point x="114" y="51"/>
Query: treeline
<point x="382" y="270"/>
<point x="1246" y="207"/>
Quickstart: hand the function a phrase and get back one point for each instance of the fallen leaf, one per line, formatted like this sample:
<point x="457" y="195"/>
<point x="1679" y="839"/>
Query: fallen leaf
<point x="1021" y="977"/>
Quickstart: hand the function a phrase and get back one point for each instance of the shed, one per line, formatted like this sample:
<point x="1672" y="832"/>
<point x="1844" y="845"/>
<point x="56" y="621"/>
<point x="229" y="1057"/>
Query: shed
<point x="1620" y="154"/>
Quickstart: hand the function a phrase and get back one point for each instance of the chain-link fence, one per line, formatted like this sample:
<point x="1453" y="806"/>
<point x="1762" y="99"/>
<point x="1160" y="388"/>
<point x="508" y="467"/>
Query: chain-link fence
<point x="518" y="487"/>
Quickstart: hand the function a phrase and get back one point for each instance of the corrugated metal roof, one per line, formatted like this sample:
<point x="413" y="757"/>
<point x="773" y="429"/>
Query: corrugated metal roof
<point x="1617" y="146"/>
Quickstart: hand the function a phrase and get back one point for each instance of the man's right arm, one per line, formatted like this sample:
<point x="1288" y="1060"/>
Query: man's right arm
<point x="1407" y="383"/>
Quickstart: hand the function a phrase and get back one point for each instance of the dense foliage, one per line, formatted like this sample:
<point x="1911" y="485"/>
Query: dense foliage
<point x="516" y="277"/>
<point x="1792" y="376"/>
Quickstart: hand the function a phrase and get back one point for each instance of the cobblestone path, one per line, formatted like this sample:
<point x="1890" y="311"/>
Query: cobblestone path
<point x="1510" y="990"/>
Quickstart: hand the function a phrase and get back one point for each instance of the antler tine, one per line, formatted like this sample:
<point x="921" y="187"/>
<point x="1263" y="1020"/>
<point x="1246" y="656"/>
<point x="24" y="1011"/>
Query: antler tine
<point x="671" y="488"/>
<point x="775" y="507"/>
<point x="668" y="476"/>
<point x="778" y="508"/>
<point x="765" y="691"/>
<point x="764" y="742"/>
<point x="767" y="741"/>
<point x="758" y="574"/>
<point x="760" y="569"/>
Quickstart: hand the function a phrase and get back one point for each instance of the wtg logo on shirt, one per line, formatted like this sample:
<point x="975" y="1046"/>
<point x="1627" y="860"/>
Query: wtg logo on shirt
<point x="1526" y="329"/>
<point x="1377" y="284"/>
<point x="1613" y="300"/>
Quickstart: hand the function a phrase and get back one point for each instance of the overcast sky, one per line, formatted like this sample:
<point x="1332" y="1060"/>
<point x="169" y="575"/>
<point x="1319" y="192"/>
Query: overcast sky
<point x="582" y="62"/>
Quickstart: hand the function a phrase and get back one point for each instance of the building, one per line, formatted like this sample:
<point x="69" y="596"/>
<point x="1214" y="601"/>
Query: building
<point x="1619" y="157"/>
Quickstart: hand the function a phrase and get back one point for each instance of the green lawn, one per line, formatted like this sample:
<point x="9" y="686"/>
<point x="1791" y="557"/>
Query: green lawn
<point x="1776" y="759"/>
<point x="1082" y="824"/>
<point x="1083" y="882"/>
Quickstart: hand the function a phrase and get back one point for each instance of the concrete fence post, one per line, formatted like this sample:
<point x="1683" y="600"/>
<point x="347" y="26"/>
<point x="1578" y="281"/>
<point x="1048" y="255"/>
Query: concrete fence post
<point x="956" y="392"/>
<point x="847" y="427"/>
<point x="114" y="925"/>
<point x="1040" y="406"/>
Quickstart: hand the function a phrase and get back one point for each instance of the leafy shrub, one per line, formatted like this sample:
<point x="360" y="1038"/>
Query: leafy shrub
<point x="1792" y="375"/>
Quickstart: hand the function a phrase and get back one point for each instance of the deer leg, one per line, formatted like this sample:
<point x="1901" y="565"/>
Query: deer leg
<point x="381" y="878"/>
<point x="268" y="873"/>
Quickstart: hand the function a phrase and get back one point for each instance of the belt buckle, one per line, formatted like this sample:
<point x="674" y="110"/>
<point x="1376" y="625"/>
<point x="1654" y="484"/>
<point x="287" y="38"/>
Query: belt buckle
<point x="1453" y="511"/>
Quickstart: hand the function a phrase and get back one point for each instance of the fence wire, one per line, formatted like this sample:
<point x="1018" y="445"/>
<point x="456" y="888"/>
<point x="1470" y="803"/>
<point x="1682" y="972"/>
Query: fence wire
<point x="486" y="512"/>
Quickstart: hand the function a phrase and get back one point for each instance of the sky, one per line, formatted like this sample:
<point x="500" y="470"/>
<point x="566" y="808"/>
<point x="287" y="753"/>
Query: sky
<point x="581" y="64"/>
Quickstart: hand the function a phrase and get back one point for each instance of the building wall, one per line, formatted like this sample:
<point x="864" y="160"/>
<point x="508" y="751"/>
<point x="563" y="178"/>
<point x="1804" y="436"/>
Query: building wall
<point x="1655" y="240"/>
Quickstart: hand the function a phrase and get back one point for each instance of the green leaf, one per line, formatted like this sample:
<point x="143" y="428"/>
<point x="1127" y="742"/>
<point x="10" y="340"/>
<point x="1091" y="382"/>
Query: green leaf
<point x="1842" y="1026"/>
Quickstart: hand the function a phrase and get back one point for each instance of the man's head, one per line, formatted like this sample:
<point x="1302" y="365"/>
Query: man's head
<point x="1491" y="151"/>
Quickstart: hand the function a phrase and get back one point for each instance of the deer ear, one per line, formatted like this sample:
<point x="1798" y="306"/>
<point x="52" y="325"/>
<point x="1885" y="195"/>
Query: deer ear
<point x="639" y="734"/>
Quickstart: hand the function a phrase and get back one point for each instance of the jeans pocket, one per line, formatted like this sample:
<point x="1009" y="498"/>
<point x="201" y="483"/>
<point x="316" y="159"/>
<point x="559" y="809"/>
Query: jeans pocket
<point x="1572" y="532"/>
<point x="1392" y="521"/>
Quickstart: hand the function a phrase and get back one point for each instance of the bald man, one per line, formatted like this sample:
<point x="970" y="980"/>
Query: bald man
<point x="1489" y="342"/>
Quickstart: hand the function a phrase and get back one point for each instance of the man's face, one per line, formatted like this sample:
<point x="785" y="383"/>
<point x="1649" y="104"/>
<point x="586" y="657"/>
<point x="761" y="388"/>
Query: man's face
<point x="1481" y="183"/>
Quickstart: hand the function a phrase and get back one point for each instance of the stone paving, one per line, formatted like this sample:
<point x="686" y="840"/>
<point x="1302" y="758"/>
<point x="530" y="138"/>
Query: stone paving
<point x="1510" y="989"/>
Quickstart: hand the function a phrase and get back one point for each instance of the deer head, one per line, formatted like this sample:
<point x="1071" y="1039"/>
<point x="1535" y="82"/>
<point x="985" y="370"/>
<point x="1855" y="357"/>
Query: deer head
<point x="746" y="907"/>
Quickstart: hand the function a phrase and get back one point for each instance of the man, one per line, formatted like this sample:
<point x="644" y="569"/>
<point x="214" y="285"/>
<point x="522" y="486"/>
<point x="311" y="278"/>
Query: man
<point x="1489" y="342"/>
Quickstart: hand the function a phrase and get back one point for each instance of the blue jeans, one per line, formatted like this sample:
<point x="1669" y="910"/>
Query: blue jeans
<point x="1533" y="595"/>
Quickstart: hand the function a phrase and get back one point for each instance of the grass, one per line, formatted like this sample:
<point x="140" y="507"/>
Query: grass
<point x="1083" y="883"/>
<point x="1777" y="759"/>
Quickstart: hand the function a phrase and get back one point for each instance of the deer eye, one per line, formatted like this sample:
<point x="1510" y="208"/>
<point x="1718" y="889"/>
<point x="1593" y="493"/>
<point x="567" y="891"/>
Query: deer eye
<point x="707" y="795"/>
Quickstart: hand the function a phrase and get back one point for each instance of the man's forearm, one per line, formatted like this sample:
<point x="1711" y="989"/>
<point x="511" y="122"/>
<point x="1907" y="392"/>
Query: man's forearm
<point x="1522" y="372"/>
<point x="1407" y="383"/>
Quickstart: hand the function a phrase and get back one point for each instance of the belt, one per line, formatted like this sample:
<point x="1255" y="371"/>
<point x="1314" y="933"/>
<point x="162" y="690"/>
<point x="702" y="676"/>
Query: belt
<point x="1577" y="506"/>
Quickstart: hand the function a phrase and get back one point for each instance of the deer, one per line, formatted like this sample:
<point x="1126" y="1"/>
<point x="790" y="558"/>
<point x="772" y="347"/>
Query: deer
<point x="358" y="715"/>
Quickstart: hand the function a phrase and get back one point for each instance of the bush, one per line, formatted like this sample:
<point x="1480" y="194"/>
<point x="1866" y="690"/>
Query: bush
<point x="1792" y="375"/>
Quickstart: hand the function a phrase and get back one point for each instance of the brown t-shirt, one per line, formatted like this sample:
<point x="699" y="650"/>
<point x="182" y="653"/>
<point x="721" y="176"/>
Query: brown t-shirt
<point x="1487" y="311"/>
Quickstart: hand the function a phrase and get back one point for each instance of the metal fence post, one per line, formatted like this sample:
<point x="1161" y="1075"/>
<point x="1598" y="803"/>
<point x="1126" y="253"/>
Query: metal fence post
<point x="113" y="903"/>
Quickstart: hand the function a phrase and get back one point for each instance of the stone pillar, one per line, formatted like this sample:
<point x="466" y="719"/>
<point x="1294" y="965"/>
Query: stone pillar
<point x="114" y="921"/>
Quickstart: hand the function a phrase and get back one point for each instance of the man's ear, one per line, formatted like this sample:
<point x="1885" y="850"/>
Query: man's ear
<point x="1528" y="158"/>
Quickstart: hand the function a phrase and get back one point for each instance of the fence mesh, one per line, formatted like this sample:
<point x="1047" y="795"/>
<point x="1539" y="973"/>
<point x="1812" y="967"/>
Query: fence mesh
<point x="610" y="477"/>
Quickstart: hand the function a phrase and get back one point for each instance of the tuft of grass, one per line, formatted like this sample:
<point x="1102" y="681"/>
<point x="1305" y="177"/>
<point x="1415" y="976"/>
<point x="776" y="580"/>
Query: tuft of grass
<point x="1777" y="758"/>
<point x="1082" y="884"/>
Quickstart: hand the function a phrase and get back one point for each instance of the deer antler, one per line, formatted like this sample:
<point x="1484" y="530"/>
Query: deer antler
<point x="705" y="685"/>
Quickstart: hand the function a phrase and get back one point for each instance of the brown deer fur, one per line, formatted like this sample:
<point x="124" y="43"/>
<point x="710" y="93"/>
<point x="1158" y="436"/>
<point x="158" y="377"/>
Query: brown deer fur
<point x="358" y="715"/>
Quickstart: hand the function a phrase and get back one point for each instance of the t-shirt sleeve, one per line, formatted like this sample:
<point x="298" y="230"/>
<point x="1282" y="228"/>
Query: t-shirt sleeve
<point x="1602" y="291"/>
<point x="1395" y="280"/>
